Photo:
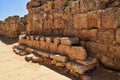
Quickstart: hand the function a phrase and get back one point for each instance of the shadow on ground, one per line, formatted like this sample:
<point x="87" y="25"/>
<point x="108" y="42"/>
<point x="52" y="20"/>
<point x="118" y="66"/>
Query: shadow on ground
<point x="8" y="41"/>
<point x="60" y="71"/>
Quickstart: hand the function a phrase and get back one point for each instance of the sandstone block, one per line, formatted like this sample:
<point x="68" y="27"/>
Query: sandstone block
<point x="107" y="61"/>
<point x="80" y="21"/>
<point x="118" y="36"/>
<point x="28" y="57"/>
<point x="21" y="47"/>
<point x="42" y="53"/>
<point x="106" y="36"/>
<point x="109" y="19"/>
<point x="29" y="50"/>
<point x="57" y="40"/>
<point x="44" y="46"/>
<point x="92" y="47"/>
<point x="32" y="37"/>
<point x="50" y="6"/>
<point x="58" y="58"/>
<point x="75" y="7"/>
<point x="17" y="51"/>
<point x="83" y="6"/>
<point x="22" y="36"/>
<point x="87" y="62"/>
<point x="69" y="41"/>
<point x="77" y="53"/>
<point x="94" y="19"/>
<point x="88" y="34"/>
<point x="37" y="38"/>
<point x="53" y="47"/>
<point x="59" y="23"/>
<point x="78" y="68"/>
<point x="42" y="39"/>
<point x="114" y="51"/>
<point x="49" y="39"/>
<point x="97" y="48"/>
<point x="33" y="4"/>
<point x="22" y="53"/>
<point x="58" y="3"/>
<point x="63" y="49"/>
<point x="71" y="32"/>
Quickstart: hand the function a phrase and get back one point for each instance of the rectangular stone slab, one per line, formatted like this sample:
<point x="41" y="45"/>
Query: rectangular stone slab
<point x="76" y="52"/>
<point x="58" y="57"/>
<point x="69" y="41"/>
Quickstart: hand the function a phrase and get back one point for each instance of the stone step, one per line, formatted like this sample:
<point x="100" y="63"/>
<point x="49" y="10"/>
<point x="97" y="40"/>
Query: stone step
<point x="29" y="57"/>
<point x="77" y="68"/>
<point x="20" y="52"/>
<point x="88" y="61"/>
<point x="33" y="57"/>
<point x="59" y="58"/>
<point x="42" y="53"/>
<point x="17" y="51"/>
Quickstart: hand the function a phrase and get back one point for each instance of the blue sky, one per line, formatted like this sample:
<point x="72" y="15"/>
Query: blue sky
<point x="12" y="7"/>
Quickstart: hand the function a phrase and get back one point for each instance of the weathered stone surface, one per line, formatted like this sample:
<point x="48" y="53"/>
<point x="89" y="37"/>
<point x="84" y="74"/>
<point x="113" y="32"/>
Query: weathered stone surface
<point x="83" y="6"/>
<point x="29" y="57"/>
<point x="29" y="50"/>
<point x="57" y="40"/>
<point x="88" y="34"/>
<point x="22" y="53"/>
<point x="42" y="39"/>
<point x="58" y="3"/>
<point x="111" y="62"/>
<point x="42" y="53"/>
<point x="59" y="23"/>
<point x="118" y="36"/>
<point x="75" y="7"/>
<point x="12" y="27"/>
<point x="44" y="46"/>
<point x="97" y="48"/>
<point x="78" y="68"/>
<point x="109" y="19"/>
<point x="77" y="53"/>
<point x="53" y="47"/>
<point x="69" y="41"/>
<point x="71" y="32"/>
<point x="94" y="19"/>
<point x="106" y="36"/>
<point x="49" y="39"/>
<point x="114" y="51"/>
<point x="59" y="58"/>
<point x="63" y="49"/>
<point x="87" y="62"/>
<point x="80" y="21"/>
<point x="33" y="4"/>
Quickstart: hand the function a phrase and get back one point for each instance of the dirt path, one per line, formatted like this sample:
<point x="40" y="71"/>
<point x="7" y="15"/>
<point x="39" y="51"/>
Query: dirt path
<point x="14" y="67"/>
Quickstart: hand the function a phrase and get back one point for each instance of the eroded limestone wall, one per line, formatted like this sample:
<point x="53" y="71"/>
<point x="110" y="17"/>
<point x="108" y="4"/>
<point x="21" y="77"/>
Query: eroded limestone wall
<point x="12" y="26"/>
<point x="95" y="22"/>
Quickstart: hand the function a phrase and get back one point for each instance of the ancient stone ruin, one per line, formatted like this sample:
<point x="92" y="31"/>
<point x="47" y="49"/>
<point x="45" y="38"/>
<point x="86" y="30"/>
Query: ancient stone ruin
<point x="12" y="26"/>
<point x="72" y="35"/>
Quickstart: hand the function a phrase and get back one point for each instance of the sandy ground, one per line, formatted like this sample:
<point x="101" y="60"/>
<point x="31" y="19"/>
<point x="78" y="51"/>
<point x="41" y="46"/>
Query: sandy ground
<point x="14" y="67"/>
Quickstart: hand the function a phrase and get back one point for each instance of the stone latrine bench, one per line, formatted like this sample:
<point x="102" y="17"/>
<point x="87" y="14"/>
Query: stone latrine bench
<point x="61" y="52"/>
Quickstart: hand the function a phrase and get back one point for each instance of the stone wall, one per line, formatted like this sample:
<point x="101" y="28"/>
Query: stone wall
<point x="12" y="26"/>
<point x="95" y="22"/>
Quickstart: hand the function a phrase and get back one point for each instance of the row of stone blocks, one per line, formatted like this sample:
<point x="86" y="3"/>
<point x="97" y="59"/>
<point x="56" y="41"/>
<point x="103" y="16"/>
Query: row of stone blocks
<point x="74" y="61"/>
<point x="61" y="45"/>
<point x="60" y="61"/>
